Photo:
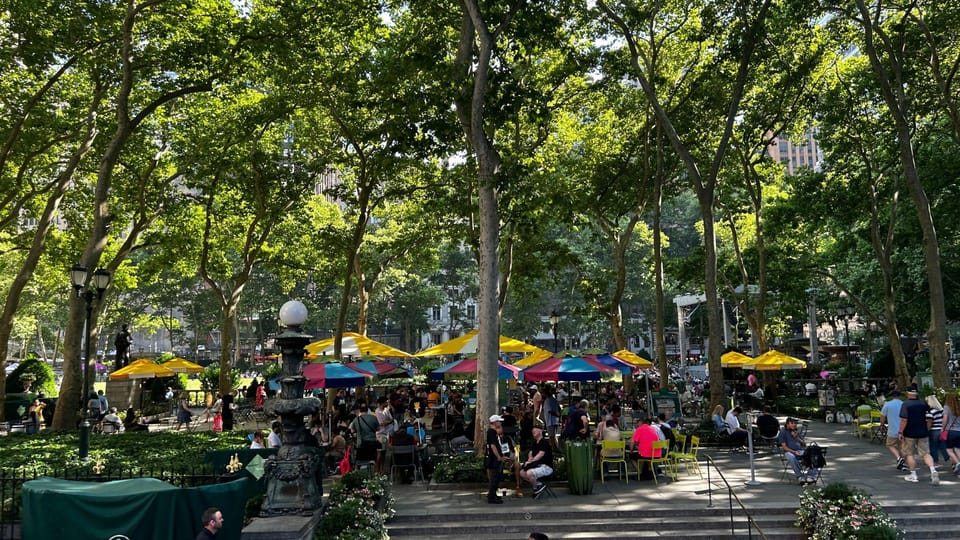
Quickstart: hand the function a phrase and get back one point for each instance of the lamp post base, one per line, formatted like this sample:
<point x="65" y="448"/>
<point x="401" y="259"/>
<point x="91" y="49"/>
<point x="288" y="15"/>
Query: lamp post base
<point x="85" y="440"/>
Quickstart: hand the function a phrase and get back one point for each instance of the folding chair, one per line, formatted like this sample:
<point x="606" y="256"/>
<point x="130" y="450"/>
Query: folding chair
<point x="661" y="456"/>
<point x="547" y="490"/>
<point x="405" y="457"/>
<point x="863" y="423"/>
<point x="690" y="459"/>
<point x="610" y="447"/>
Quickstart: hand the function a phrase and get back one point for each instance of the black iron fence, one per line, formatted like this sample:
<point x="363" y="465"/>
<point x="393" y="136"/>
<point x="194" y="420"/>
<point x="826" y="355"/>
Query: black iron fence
<point x="11" y="485"/>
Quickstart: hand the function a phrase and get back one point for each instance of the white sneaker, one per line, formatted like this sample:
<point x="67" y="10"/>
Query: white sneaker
<point x="911" y="478"/>
<point x="935" y="478"/>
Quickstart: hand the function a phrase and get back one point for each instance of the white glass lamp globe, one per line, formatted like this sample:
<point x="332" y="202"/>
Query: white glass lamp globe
<point x="293" y="313"/>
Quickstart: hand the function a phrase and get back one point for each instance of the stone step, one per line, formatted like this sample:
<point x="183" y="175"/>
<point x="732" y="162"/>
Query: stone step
<point x="711" y="523"/>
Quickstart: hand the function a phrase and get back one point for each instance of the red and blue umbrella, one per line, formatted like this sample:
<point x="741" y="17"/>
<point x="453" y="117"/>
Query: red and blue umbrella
<point x="381" y="369"/>
<point x="467" y="369"/>
<point x="624" y="368"/>
<point x="333" y="375"/>
<point x="569" y="368"/>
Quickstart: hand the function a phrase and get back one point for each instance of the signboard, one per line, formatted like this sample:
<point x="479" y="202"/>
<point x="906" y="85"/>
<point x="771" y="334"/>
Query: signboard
<point x="668" y="403"/>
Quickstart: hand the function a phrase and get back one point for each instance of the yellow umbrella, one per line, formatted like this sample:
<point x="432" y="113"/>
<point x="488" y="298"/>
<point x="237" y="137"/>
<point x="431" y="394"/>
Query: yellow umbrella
<point x="734" y="359"/>
<point x="534" y="358"/>
<point x="467" y="344"/>
<point x="775" y="361"/>
<point x="141" y="369"/>
<point x="633" y="358"/>
<point x="182" y="365"/>
<point x="355" y="345"/>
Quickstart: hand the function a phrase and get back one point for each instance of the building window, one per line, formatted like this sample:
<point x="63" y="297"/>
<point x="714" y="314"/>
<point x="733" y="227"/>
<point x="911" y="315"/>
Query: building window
<point x="436" y="313"/>
<point x="471" y="311"/>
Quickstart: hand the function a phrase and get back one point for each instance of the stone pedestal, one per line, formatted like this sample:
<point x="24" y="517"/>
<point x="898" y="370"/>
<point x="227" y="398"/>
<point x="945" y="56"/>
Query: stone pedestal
<point x="281" y="528"/>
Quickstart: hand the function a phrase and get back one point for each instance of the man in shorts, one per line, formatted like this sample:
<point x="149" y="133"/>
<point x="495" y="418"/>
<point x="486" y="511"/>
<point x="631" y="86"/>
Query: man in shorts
<point x="914" y="436"/>
<point x="890" y="419"/>
<point x="539" y="462"/>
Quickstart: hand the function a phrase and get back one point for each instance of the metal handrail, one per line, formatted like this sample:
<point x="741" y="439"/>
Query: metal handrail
<point x="731" y="496"/>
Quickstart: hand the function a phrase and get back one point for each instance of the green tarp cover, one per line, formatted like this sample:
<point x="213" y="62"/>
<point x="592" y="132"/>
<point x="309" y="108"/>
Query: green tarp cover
<point x="136" y="509"/>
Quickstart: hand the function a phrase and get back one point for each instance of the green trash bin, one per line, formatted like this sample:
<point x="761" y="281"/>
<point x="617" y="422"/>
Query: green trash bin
<point x="579" y="460"/>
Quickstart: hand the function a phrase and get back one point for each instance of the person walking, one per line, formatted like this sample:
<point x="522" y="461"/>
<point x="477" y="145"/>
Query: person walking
<point x="913" y="433"/>
<point x="951" y="423"/>
<point x="212" y="520"/>
<point x="890" y="420"/>
<point x="938" y="446"/>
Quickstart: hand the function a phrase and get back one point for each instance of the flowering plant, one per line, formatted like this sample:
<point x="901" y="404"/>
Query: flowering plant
<point x="839" y="511"/>
<point x="357" y="508"/>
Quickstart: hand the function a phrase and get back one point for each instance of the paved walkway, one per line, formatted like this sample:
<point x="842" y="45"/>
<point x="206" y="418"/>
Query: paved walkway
<point x="856" y="462"/>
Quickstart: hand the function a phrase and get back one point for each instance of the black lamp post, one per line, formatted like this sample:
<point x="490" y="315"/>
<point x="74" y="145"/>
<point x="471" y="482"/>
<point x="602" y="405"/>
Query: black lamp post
<point x="554" y="328"/>
<point x="294" y="482"/>
<point x="846" y="312"/>
<point x="99" y="282"/>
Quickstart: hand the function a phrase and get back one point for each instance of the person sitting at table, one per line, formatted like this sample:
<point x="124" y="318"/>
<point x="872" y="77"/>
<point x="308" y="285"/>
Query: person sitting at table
<point x="337" y="448"/>
<point x="660" y="422"/>
<point x="257" y="442"/>
<point x="719" y="425"/>
<point x="642" y="443"/>
<point x="113" y="419"/>
<point x="433" y="398"/>
<point x="609" y="431"/>
<point x="273" y="440"/>
<point x="737" y="433"/>
<point x="458" y="436"/>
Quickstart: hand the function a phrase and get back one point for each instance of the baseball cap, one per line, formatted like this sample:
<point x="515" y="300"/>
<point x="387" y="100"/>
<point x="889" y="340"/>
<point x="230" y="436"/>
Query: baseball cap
<point x="496" y="418"/>
<point x="912" y="390"/>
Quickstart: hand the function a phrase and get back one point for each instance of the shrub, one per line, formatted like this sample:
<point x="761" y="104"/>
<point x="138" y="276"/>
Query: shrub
<point x="37" y="372"/>
<point x="839" y="511"/>
<point x="460" y="468"/>
<point x="357" y="508"/>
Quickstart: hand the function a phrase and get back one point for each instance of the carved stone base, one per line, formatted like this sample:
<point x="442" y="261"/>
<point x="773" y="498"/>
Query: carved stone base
<point x="281" y="528"/>
<point x="293" y="482"/>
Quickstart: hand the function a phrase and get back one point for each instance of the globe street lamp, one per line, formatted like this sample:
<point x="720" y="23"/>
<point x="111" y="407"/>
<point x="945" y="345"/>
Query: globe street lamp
<point x="294" y="483"/>
<point x="99" y="282"/>
<point x="554" y="328"/>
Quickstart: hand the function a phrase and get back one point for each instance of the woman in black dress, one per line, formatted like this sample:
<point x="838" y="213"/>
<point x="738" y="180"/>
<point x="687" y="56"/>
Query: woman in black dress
<point x="226" y="411"/>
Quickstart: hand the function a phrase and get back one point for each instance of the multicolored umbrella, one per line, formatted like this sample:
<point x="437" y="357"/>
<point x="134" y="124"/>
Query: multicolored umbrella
<point x="182" y="365"/>
<point x="625" y="368"/>
<point x="333" y="375"/>
<point x="354" y="344"/>
<point x="569" y="368"/>
<point x="381" y="369"/>
<point x="467" y="344"/>
<point x="467" y="369"/>
<point x="141" y="369"/>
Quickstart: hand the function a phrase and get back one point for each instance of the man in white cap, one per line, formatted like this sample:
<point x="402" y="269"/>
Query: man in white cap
<point x="496" y="454"/>
<point x="914" y="436"/>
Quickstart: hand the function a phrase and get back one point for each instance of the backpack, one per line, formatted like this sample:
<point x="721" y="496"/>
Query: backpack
<point x="813" y="457"/>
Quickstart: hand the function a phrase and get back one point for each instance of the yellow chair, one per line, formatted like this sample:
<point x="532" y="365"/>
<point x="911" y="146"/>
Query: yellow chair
<point x="867" y="420"/>
<point x="626" y="434"/>
<point x="661" y="457"/>
<point x="614" y="447"/>
<point x="689" y="459"/>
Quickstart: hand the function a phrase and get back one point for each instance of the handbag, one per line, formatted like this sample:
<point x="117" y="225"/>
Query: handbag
<point x="218" y="422"/>
<point x="943" y="434"/>
<point x="345" y="462"/>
